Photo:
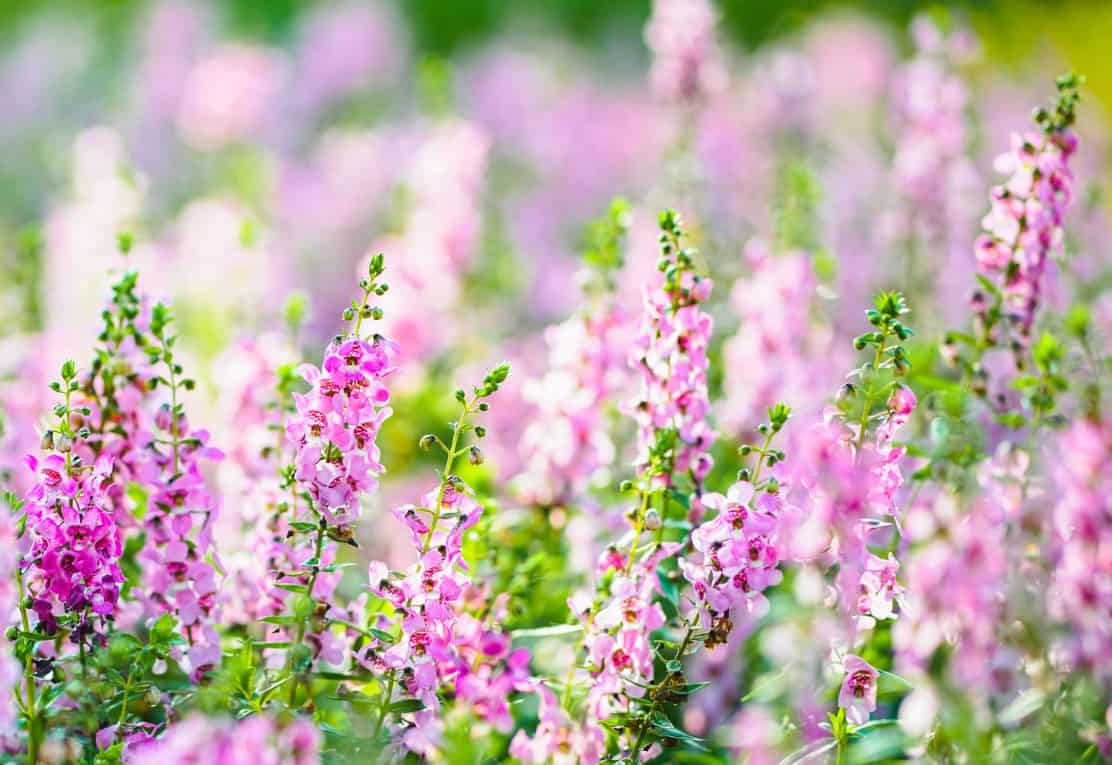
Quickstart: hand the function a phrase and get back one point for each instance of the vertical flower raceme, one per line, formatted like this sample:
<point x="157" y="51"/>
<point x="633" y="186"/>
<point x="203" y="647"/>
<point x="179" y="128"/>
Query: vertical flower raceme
<point x="686" y="62"/>
<point x="851" y="470"/>
<point x="336" y="459"/>
<point x="773" y="303"/>
<point x="71" y="568"/>
<point x="567" y="443"/>
<point x="178" y="575"/>
<point x="436" y="647"/>
<point x="932" y="173"/>
<point x="258" y="377"/>
<point x="674" y="439"/>
<point x="670" y="355"/>
<point x="1023" y="227"/>
<point x="736" y="553"/>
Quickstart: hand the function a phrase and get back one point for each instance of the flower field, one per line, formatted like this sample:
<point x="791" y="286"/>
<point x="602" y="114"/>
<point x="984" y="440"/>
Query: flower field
<point x="656" y="398"/>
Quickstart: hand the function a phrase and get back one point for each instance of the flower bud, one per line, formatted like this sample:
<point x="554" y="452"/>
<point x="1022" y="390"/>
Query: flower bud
<point x="475" y="456"/>
<point x="652" y="520"/>
<point x="427" y="441"/>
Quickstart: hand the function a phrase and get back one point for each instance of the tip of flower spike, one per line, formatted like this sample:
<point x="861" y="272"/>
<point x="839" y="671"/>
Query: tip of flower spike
<point x="1063" y="111"/>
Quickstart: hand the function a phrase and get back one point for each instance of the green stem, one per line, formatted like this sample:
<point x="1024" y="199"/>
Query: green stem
<point x="318" y="548"/>
<point x="33" y="724"/>
<point x="867" y="405"/>
<point x="127" y="691"/>
<point x="362" y="308"/>
<point x="635" y="752"/>
<point x="761" y="454"/>
<point x="638" y="527"/>
<point x="384" y="706"/>
<point x="449" y="462"/>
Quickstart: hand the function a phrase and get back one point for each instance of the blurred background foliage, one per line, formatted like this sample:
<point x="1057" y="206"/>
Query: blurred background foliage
<point x="1007" y="28"/>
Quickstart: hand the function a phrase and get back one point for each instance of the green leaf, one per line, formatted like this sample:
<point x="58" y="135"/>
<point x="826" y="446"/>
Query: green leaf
<point x="555" y="631"/>
<point x="406" y="705"/>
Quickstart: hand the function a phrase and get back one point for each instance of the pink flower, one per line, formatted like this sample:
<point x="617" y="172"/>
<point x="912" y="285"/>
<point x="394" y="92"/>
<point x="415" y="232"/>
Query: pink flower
<point x="253" y="740"/>
<point x="858" y="693"/>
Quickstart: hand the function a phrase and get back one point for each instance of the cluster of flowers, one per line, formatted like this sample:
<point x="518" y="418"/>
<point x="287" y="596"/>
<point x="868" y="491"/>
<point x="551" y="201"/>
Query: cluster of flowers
<point x="772" y="303"/>
<point x="1024" y="226"/>
<point x="669" y="353"/>
<point x="72" y="564"/>
<point x="568" y="444"/>
<point x="258" y="740"/>
<point x="124" y="486"/>
<point x="446" y="640"/>
<point x="1082" y="587"/>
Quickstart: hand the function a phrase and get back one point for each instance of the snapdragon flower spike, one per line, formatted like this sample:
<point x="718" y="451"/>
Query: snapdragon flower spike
<point x="1023" y="228"/>
<point x="567" y="441"/>
<point x="178" y="575"/>
<point x="71" y="567"/>
<point x="117" y="400"/>
<point x="851" y="468"/>
<point x="738" y="549"/>
<point x="253" y="740"/>
<point x="335" y="429"/>
<point x="258" y="376"/>
<point x="618" y="622"/>
<point x="333" y="434"/>
<point x="440" y="648"/>
<point x="930" y="165"/>
<point x="773" y="303"/>
<point x="670" y="355"/>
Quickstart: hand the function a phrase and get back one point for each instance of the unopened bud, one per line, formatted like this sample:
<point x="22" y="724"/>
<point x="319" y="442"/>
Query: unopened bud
<point x="427" y="441"/>
<point x="652" y="520"/>
<point x="475" y="456"/>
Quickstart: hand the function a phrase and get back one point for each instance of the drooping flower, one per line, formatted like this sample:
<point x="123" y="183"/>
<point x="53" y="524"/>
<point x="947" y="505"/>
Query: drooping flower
<point x="858" y="692"/>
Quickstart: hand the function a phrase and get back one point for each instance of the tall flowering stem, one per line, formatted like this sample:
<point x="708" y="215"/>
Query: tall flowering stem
<point x="673" y="442"/>
<point x="567" y="442"/>
<point x="433" y="646"/>
<point x="734" y="558"/>
<point x="336" y="459"/>
<point x="69" y="576"/>
<point x="670" y="355"/>
<point x="1021" y="231"/>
